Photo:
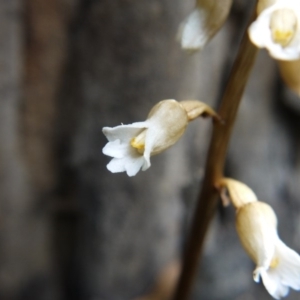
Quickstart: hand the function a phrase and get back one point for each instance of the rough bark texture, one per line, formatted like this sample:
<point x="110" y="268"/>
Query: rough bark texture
<point x="69" y="229"/>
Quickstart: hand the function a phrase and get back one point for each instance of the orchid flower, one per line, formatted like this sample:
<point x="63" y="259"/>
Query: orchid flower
<point x="277" y="28"/>
<point x="132" y="145"/>
<point x="276" y="264"/>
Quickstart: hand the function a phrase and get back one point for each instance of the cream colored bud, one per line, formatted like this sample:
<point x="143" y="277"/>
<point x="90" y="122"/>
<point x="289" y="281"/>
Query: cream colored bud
<point x="256" y="224"/>
<point x="283" y="25"/>
<point x="170" y="120"/>
<point x="203" y="23"/>
<point x="240" y="194"/>
<point x="290" y="74"/>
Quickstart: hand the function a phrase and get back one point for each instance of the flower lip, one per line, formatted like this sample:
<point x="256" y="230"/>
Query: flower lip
<point x="125" y="158"/>
<point x="283" y="25"/>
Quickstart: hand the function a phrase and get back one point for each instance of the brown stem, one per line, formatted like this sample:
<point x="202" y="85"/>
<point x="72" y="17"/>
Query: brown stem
<point x="214" y="167"/>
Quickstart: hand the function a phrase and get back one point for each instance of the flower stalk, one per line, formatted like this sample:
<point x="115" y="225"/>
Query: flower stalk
<point x="207" y="201"/>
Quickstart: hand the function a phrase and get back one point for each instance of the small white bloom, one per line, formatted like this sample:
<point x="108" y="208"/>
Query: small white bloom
<point x="276" y="264"/>
<point x="203" y="23"/>
<point x="132" y="145"/>
<point x="277" y="28"/>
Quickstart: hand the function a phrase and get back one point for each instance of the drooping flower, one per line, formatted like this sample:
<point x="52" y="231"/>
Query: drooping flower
<point x="277" y="28"/>
<point x="132" y="145"/>
<point x="276" y="264"/>
<point x="203" y="23"/>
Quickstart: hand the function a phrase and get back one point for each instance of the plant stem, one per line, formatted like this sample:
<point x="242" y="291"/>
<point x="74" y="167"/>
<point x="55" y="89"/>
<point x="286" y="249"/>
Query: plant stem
<point x="208" y="197"/>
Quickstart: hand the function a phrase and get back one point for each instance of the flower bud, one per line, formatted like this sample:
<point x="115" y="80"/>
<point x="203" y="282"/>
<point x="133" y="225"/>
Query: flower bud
<point x="256" y="225"/>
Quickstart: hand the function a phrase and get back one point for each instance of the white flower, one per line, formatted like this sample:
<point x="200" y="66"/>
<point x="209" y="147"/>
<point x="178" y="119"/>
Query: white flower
<point x="277" y="28"/>
<point x="132" y="145"/>
<point x="276" y="264"/>
<point x="203" y="23"/>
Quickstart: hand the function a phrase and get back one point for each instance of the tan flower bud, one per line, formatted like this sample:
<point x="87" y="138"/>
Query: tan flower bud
<point x="256" y="225"/>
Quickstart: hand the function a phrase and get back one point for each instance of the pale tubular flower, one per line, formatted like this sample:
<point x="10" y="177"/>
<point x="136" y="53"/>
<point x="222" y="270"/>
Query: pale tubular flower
<point x="277" y="28"/>
<point x="240" y="194"/>
<point x="276" y="264"/>
<point x="132" y="145"/>
<point x="203" y="23"/>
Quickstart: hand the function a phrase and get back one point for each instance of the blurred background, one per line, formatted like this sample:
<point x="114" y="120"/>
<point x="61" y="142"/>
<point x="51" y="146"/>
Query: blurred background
<point x="69" y="229"/>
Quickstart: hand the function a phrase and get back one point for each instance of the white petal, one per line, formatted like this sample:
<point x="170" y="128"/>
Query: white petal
<point x="133" y="165"/>
<point x="116" y="165"/>
<point x="116" y="149"/>
<point x="273" y="285"/>
<point x="124" y="133"/>
<point x="191" y="32"/>
<point x="285" y="275"/>
<point x="259" y="31"/>
<point x="289" y="265"/>
<point x="129" y="164"/>
<point x="147" y="163"/>
<point x="152" y="137"/>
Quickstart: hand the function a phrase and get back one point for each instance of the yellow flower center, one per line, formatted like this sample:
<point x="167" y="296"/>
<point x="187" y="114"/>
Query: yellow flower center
<point x="283" y="25"/>
<point x="282" y="37"/>
<point x="138" y="144"/>
<point x="274" y="263"/>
